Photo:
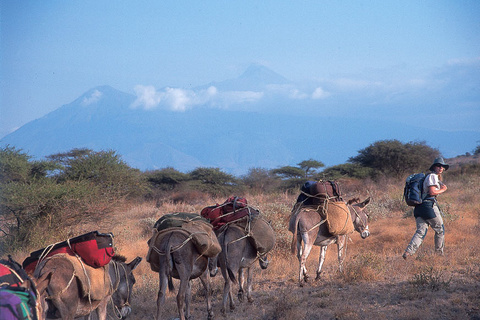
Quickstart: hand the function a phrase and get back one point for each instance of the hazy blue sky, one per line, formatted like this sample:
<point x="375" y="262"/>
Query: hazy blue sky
<point x="53" y="51"/>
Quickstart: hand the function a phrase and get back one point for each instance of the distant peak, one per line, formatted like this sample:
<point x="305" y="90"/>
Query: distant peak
<point x="263" y="74"/>
<point x="103" y="95"/>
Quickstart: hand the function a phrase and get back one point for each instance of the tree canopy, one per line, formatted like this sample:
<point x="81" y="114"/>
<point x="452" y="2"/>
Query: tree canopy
<point x="392" y="157"/>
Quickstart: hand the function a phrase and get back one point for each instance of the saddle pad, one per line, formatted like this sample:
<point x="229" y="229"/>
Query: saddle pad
<point x="95" y="282"/>
<point x="339" y="219"/>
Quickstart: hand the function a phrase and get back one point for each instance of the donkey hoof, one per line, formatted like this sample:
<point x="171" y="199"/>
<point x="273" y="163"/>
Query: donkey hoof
<point x="250" y="300"/>
<point x="319" y="275"/>
<point x="213" y="272"/>
<point x="240" y="296"/>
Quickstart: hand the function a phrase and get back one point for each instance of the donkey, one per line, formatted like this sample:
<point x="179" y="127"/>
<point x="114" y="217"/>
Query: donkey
<point x="75" y="289"/>
<point x="313" y="232"/>
<point x="237" y="257"/>
<point x="174" y="255"/>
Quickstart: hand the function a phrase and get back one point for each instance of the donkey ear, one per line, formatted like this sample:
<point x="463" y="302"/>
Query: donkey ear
<point x="132" y="265"/>
<point x="365" y="202"/>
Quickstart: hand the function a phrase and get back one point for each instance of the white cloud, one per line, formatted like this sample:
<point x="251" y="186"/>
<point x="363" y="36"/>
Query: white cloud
<point x="94" y="97"/>
<point x="178" y="99"/>
<point x="319" y="93"/>
<point x="235" y="97"/>
<point x="147" y="97"/>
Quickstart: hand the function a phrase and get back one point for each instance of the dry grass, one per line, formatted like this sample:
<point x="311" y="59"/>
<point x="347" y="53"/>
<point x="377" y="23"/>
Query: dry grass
<point x="377" y="282"/>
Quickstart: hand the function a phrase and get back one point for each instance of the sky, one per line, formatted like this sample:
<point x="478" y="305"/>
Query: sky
<point x="368" y="52"/>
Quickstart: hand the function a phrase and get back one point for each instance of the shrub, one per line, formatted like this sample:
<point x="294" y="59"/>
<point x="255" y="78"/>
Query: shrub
<point x="430" y="279"/>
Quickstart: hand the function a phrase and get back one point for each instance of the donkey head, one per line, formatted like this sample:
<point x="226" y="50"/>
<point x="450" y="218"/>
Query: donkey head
<point x="359" y="216"/>
<point x="121" y="275"/>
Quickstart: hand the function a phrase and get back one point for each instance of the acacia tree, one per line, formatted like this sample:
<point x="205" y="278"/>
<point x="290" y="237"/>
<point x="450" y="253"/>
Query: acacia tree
<point x="47" y="193"/>
<point x="26" y="194"/>
<point x="261" y="180"/>
<point x="213" y="181"/>
<point x="292" y="177"/>
<point x="394" y="158"/>
<point x="166" y="179"/>
<point x="104" y="170"/>
<point x="310" y="167"/>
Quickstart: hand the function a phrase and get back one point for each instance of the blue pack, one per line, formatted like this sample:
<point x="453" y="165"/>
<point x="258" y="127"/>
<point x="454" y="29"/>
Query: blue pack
<point x="413" y="191"/>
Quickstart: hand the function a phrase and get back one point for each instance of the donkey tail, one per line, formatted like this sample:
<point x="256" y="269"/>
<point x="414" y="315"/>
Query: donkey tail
<point x="231" y="275"/>
<point x="168" y="254"/>
<point x="224" y="252"/>
<point x="293" y="245"/>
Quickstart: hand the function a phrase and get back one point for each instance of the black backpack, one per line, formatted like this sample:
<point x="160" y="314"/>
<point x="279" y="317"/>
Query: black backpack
<point x="413" y="191"/>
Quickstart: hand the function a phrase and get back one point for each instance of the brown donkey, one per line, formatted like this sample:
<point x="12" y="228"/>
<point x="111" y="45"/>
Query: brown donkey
<point x="313" y="231"/>
<point x="76" y="289"/>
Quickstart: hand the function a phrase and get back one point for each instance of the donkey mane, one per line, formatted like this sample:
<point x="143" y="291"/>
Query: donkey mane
<point x="119" y="258"/>
<point x="354" y="200"/>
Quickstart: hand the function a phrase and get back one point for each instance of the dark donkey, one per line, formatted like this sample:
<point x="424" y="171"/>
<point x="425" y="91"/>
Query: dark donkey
<point x="174" y="255"/>
<point x="237" y="258"/>
<point x="76" y="289"/>
<point x="313" y="231"/>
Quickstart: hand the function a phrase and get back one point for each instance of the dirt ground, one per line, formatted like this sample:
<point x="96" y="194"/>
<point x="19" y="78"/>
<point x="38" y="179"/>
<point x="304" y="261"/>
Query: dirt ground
<point x="455" y="295"/>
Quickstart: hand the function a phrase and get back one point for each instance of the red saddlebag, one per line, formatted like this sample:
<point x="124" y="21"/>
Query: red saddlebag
<point x="95" y="249"/>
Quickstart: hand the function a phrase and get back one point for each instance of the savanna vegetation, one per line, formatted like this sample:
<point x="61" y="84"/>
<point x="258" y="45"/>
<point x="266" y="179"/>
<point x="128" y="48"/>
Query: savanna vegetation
<point x="67" y="194"/>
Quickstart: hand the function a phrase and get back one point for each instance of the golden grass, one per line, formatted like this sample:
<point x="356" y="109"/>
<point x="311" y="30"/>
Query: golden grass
<point x="377" y="282"/>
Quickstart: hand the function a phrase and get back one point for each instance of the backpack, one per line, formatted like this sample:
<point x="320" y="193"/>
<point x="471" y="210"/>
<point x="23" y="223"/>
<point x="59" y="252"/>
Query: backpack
<point x="314" y="193"/>
<point x="17" y="303"/>
<point x="413" y="191"/>
<point x="233" y="209"/>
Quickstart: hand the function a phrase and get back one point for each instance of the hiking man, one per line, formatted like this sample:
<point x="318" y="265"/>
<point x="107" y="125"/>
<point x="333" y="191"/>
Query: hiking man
<point x="428" y="213"/>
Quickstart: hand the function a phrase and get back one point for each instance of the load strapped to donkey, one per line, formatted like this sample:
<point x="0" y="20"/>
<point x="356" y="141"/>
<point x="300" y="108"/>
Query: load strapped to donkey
<point x="94" y="248"/>
<point x="235" y="210"/>
<point x="18" y="293"/>
<point x="197" y="228"/>
<point x="325" y="198"/>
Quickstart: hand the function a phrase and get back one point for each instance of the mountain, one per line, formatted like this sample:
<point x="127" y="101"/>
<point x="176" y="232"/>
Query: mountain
<point x="255" y="78"/>
<point x="204" y="136"/>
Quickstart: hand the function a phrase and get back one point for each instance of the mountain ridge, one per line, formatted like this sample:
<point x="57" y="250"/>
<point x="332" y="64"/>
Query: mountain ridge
<point x="103" y="118"/>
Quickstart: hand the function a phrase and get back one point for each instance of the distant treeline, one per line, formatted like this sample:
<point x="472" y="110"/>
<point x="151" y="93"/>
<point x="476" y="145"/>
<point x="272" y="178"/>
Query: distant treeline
<point x="68" y="186"/>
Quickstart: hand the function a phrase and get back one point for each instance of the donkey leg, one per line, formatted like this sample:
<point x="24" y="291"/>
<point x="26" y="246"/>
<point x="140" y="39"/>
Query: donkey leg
<point x="188" y="299"/>
<point x="212" y="266"/>
<point x="249" y="285"/>
<point x="163" y="281"/>
<point x="299" y="257"/>
<point x="308" y="245"/>
<point x="227" y="294"/>
<point x="342" y="251"/>
<point x="241" y="284"/>
<point x="102" y="309"/>
<point x="182" y="296"/>
<point x="321" y="260"/>
<point x="205" y="279"/>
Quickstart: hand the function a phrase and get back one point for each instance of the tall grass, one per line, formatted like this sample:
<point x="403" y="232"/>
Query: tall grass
<point x="374" y="263"/>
